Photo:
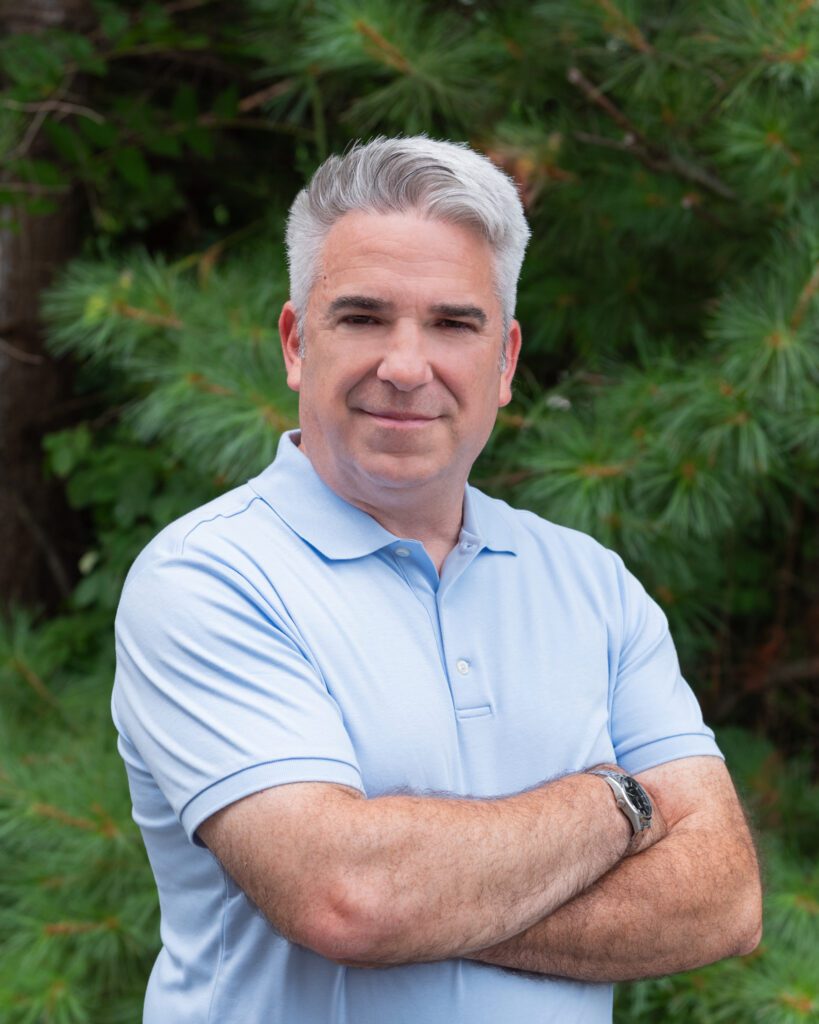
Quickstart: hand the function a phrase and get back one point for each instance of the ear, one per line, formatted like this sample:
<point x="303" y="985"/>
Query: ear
<point x="513" y="341"/>
<point x="289" y="334"/>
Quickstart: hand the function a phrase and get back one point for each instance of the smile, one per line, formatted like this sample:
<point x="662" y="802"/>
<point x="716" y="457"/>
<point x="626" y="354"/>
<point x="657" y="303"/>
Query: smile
<point x="400" y="420"/>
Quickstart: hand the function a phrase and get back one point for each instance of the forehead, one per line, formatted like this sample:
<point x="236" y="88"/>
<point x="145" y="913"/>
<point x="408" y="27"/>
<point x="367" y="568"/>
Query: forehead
<point x="405" y="253"/>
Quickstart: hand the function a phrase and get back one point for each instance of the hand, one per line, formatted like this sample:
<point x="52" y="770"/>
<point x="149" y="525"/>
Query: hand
<point x="714" y="903"/>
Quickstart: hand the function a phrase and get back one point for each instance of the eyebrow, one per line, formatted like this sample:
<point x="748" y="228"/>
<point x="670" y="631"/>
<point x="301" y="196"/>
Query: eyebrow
<point x="455" y="312"/>
<point x="450" y="310"/>
<point x="372" y="305"/>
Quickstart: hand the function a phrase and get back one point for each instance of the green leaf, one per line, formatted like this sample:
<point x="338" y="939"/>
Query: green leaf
<point x="113" y="21"/>
<point x="185" y="107"/>
<point x="131" y="165"/>
<point x="103" y="135"/>
<point x="226" y="103"/>
<point x="40" y="206"/>
<point x="67" y="142"/>
<point x="155" y="20"/>
<point x="82" y="52"/>
<point x="33" y="62"/>
<point x="162" y="144"/>
<point x="67" y="448"/>
<point x="40" y="172"/>
<point x="200" y="140"/>
<point x="198" y="41"/>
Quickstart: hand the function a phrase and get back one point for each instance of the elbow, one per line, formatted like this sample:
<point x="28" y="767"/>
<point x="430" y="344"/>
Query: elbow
<point x="748" y="918"/>
<point x="750" y="935"/>
<point x="751" y="942"/>
<point x="347" y="925"/>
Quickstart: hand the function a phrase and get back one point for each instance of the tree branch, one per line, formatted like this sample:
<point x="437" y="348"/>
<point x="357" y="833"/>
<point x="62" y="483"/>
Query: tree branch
<point x="179" y="6"/>
<point x="54" y="106"/>
<point x="806" y="296"/>
<point x="625" y="28"/>
<point x="596" y="96"/>
<point x="793" y="672"/>
<point x="55" y="565"/>
<point x="256" y="99"/>
<point x="32" y="679"/>
<point x="19" y="355"/>
<point x="31" y="188"/>
<point x="37" y="121"/>
<point x="605" y="141"/>
<point x="650" y="155"/>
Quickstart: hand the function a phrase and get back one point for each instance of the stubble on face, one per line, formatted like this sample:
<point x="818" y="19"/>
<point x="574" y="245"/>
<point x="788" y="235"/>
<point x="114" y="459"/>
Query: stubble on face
<point x="399" y="377"/>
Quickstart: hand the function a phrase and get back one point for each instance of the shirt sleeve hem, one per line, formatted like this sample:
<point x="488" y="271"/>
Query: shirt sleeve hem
<point x="672" y="748"/>
<point x="264" y="776"/>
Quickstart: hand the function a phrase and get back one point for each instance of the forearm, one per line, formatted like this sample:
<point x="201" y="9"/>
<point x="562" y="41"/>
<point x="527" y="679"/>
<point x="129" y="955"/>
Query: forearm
<point x="435" y="878"/>
<point x="397" y="879"/>
<point x="690" y="900"/>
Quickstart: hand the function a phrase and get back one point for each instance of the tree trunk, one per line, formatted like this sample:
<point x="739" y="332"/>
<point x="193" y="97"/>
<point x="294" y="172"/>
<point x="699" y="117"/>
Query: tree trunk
<point x="34" y="518"/>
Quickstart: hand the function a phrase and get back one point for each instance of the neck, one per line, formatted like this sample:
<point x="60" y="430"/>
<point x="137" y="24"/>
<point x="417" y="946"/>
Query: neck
<point x="436" y="524"/>
<point x="431" y="513"/>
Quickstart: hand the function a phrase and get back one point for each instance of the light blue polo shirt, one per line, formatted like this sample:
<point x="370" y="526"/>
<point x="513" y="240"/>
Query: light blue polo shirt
<point x="280" y="635"/>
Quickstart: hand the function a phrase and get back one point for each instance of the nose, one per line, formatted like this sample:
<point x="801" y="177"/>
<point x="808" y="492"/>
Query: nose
<point x="404" y="362"/>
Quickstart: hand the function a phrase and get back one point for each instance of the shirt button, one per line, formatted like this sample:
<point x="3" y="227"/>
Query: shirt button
<point x="402" y="552"/>
<point x="462" y="666"/>
<point x="467" y="546"/>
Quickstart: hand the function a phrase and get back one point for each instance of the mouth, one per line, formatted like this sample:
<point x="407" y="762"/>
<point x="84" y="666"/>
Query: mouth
<point x="399" y="420"/>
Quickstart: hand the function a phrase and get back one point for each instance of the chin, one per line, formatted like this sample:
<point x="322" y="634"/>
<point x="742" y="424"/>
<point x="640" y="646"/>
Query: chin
<point x="393" y="470"/>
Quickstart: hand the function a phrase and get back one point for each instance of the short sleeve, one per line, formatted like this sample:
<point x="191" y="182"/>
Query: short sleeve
<point x="654" y="716"/>
<point x="215" y="693"/>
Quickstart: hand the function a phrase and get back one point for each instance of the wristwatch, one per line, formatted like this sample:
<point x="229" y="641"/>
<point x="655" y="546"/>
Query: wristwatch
<point x="631" y="798"/>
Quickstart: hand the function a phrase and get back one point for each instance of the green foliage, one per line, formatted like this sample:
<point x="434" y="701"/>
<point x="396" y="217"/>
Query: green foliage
<point x="78" y="914"/>
<point x="667" y="401"/>
<point x="88" y="108"/>
<point x="197" y="356"/>
<point x="406" y="72"/>
<point x="133" y="491"/>
<point x="651" y="456"/>
<point x="777" y="984"/>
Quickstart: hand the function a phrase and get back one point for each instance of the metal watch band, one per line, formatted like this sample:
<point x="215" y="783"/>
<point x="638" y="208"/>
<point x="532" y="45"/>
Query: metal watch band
<point x="631" y="798"/>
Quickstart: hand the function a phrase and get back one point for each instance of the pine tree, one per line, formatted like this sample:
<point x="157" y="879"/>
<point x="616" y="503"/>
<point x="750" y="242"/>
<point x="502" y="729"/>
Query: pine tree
<point x="668" y="157"/>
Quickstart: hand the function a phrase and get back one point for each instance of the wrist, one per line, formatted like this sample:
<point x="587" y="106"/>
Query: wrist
<point x="633" y="804"/>
<point x="609" y="816"/>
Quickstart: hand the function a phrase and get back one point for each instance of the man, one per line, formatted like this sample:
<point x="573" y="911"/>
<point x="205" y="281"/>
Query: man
<point x="343" y="688"/>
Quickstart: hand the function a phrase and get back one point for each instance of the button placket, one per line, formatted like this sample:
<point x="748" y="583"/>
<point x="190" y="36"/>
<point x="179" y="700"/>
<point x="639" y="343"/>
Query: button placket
<point x="469" y="686"/>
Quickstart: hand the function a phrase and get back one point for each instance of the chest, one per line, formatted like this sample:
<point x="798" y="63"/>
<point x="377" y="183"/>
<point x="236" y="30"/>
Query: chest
<point x="486" y="686"/>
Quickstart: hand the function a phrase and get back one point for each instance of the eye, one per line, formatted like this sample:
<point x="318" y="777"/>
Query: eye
<point x="456" y="325"/>
<point x="358" y="320"/>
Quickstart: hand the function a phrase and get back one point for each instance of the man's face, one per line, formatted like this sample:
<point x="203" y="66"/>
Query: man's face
<point x="400" y="381"/>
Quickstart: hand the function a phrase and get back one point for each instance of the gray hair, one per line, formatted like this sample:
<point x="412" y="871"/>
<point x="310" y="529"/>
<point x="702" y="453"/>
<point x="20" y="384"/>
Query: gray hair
<point x="444" y="180"/>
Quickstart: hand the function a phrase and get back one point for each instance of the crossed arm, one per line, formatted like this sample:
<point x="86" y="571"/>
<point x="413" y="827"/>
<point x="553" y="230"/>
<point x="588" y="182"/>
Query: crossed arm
<point x="546" y="881"/>
<point x="692" y="898"/>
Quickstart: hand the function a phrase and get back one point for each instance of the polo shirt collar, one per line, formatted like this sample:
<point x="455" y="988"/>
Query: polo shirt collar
<point x="485" y="524"/>
<point x="294" y="490"/>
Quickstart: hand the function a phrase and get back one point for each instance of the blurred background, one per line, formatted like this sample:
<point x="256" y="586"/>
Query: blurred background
<point x="667" y="403"/>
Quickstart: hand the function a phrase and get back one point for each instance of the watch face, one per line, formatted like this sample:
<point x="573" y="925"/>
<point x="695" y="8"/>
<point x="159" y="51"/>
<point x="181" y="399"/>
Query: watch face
<point x="637" y="795"/>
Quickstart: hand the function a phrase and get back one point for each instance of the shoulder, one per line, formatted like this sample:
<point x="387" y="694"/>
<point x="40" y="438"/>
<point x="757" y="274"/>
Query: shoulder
<point x="525" y="529"/>
<point x="226" y="547"/>
<point x="207" y="526"/>
<point x="574" y="565"/>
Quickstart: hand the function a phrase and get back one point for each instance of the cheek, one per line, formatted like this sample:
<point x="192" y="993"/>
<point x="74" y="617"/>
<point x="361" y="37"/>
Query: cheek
<point x="477" y="386"/>
<point x="329" y="384"/>
<point x="338" y="362"/>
